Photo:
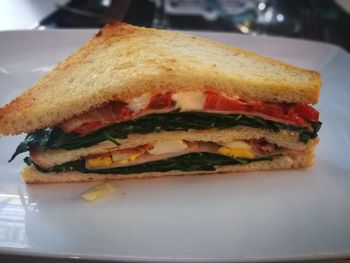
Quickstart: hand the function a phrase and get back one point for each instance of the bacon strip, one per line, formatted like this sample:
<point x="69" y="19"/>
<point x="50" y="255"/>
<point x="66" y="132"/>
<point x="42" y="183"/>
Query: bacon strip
<point x="111" y="113"/>
<point x="262" y="147"/>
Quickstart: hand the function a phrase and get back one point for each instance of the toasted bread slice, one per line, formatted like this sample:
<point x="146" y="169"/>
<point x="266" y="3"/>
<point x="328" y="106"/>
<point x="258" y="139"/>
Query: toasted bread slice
<point x="124" y="61"/>
<point x="32" y="176"/>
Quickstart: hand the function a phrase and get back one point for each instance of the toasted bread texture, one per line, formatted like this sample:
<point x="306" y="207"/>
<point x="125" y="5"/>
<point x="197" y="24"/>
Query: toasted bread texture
<point x="124" y="61"/>
<point x="32" y="176"/>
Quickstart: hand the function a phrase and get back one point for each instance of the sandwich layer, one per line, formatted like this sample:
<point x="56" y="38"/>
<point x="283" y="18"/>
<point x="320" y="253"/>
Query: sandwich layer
<point x="31" y="175"/>
<point x="57" y="138"/>
<point x="122" y="62"/>
<point x="137" y="103"/>
<point x="286" y="139"/>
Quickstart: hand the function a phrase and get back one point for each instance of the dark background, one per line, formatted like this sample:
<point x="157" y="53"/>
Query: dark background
<point x="320" y="20"/>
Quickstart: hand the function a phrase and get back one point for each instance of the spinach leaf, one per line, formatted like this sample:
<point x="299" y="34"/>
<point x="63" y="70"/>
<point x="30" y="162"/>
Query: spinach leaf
<point x="200" y="161"/>
<point x="53" y="138"/>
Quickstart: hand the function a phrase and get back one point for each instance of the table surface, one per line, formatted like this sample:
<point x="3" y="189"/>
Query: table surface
<point x="19" y="14"/>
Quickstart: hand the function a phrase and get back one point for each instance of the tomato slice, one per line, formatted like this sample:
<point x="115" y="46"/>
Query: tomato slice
<point x="307" y="112"/>
<point x="294" y="117"/>
<point x="215" y="101"/>
<point x="161" y="101"/>
<point x="118" y="111"/>
<point x="295" y="113"/>
<point x="121" y="111"/>
<point x="273" y="109"/>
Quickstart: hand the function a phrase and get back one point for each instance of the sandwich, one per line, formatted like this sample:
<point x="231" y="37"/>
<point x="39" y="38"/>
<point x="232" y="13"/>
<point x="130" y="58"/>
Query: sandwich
<point x="137" y="102"/>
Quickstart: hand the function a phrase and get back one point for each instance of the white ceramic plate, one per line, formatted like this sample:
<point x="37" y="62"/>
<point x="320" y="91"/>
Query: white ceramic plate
<point x="252" y="216"/>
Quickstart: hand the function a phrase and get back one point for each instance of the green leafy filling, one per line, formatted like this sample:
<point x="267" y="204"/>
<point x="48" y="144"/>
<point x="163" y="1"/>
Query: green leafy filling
<point x="199" y="161"/>
<point x="55" y="137"/>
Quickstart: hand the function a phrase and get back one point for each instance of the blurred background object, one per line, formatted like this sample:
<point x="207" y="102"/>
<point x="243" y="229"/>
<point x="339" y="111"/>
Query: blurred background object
<point x="322" y="20"/>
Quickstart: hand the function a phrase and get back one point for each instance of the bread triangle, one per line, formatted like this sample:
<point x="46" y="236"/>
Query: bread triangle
<point x="123" y="61"/>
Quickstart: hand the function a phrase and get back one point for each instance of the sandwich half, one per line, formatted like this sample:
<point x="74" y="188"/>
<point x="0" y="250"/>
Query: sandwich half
<point x="136" y="102"/>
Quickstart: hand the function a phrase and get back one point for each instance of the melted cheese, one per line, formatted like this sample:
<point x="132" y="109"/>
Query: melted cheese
<point x="236" y="153"/>
<point x="190" y="100"/>
<point x="107" y="161"/>
<point x="238" y="144"/>
<point x="99" y="161"/>
<point x="122" y="159"/>
<point x="139" y="103"/>
<point x="168" y="147"/>
<point x="237" y="149"/>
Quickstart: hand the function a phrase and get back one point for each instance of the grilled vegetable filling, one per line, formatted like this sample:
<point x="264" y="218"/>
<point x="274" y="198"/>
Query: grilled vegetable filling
<point x="176" y="155"/>
<point x="199" y="161"/>
<point x="55" y="137"/>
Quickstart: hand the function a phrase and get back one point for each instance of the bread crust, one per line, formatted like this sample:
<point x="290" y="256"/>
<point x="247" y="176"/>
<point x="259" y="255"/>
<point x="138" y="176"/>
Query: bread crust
<point x="124" y="61"/>
<point x="32" y="176"/>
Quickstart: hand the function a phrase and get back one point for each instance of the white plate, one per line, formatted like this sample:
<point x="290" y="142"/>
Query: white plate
<point x="252" y="216"/>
